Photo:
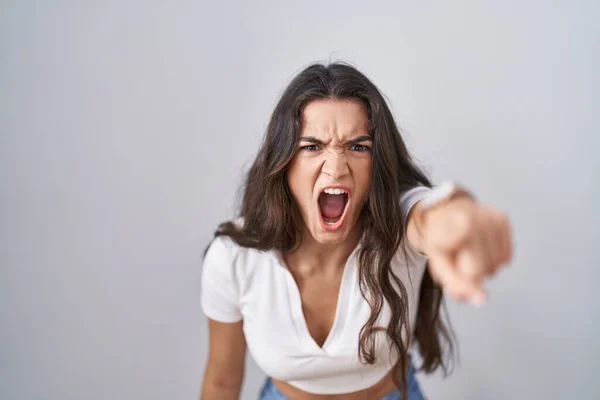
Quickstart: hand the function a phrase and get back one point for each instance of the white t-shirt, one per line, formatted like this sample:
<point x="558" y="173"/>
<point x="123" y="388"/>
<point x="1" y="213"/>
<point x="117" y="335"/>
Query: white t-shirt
<point x="240" y="283"/>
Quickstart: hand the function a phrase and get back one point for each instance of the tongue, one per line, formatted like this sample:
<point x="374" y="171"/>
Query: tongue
<point x="332" y="205"/>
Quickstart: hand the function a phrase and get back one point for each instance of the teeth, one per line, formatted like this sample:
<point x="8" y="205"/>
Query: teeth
<point x="335" y="191"/>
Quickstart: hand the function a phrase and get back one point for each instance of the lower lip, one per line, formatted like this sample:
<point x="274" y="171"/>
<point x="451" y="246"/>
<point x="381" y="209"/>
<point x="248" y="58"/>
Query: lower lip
<point x="336" y="225"/>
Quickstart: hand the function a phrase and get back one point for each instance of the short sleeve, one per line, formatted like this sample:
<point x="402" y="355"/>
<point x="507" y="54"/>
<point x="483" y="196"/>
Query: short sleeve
<point x="409" y="198"/>
<point x="219" y="290"/>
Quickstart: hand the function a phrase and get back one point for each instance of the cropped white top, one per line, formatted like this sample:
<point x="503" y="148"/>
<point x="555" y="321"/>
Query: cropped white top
<point x="240" y="283"/>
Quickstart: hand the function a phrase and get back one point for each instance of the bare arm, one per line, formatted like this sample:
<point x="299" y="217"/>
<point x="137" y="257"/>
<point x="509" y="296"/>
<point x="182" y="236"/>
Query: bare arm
<point x="416" y="228"/>
<point x="224" y="371"/>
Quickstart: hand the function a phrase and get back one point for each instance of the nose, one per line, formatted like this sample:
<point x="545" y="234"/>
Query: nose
<point x="335" y="164"/>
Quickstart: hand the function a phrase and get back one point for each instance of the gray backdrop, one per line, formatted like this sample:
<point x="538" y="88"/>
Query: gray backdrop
<point x="125" y="128"/>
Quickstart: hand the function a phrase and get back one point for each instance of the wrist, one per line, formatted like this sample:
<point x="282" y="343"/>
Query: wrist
<point x="444" y="194"/>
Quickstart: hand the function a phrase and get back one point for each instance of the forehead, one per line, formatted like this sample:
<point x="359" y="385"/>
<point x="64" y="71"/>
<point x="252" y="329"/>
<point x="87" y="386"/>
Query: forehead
<point x="333" y="118"/>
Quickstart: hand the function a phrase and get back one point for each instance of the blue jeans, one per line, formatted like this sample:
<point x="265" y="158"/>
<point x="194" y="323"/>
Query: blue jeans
<point x="270" y="392"/>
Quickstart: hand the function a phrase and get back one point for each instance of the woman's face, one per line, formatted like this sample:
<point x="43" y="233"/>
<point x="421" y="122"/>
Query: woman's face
<point x="330" y="173"/>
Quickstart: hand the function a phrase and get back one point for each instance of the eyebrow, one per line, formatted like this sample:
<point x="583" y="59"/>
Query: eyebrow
<point x="363" y="138"/>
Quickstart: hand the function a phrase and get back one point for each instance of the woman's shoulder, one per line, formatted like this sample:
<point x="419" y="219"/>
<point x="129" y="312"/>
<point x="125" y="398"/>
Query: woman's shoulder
<point x="227" y="247"/>
<point x="244" y="268"/>
<point x="223" y="243"/>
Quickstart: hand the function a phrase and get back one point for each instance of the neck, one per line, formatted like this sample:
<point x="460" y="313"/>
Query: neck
<point x="314" y="257"/>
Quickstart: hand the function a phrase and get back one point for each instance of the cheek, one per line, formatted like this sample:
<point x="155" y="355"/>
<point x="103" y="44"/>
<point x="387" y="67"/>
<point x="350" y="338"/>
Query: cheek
<point x="301" y="181"/>
<point x="362" y="178"/>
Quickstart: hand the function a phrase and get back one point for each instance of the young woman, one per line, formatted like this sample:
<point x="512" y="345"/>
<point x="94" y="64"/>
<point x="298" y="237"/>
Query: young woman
<point x="337" y="263"/>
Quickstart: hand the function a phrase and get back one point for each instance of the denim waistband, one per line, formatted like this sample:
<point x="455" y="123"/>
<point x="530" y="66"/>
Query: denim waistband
<point x="270" y="392"/>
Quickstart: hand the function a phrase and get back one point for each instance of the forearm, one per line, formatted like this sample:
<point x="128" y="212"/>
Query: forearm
<point x="414" y="227"/>
<point x="411" y="211"/>
<point x="220" y="392"/>
<point x="221" y="385"/>
<point x="424" y="201"/>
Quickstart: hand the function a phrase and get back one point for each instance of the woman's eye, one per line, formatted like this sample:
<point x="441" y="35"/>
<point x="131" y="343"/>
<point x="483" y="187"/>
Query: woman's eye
<point x="311" y="147"/>
<point x="360" y="148"/>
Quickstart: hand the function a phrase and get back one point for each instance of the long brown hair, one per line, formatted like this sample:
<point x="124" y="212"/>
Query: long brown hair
<point x="271" y="219"/>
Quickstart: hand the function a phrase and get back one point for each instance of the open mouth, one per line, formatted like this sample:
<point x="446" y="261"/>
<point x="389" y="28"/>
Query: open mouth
<point x="332" y="205"/>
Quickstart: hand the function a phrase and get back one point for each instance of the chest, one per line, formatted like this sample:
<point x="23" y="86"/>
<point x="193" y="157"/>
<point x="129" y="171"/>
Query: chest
<point x="319" y="296"/>
<point x="303" y="328"/>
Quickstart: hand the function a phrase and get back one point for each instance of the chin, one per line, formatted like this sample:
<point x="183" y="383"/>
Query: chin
<point x="329" y="238"/>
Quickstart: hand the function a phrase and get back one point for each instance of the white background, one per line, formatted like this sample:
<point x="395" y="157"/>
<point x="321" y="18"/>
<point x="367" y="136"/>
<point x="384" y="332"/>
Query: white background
<point x="126" y="127"/>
